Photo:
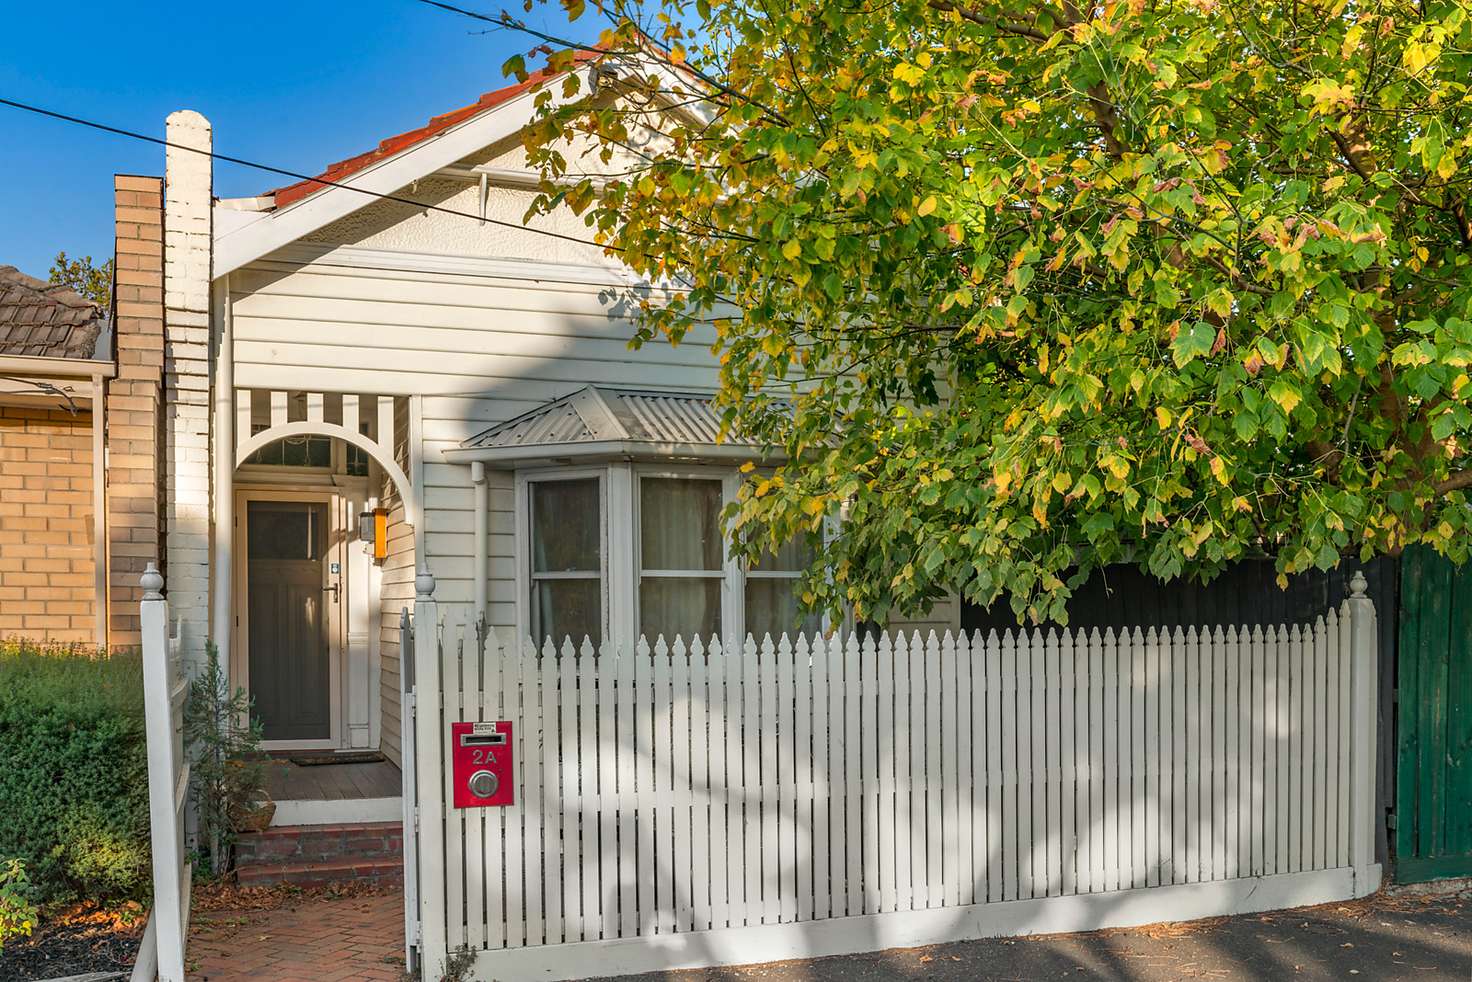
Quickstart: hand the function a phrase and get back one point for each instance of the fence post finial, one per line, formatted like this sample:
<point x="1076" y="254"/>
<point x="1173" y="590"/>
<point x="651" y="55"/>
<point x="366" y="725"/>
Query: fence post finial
<point x="152" y="582"/>
<point x="1358" y="584"/>
<point x="424" y="582"/>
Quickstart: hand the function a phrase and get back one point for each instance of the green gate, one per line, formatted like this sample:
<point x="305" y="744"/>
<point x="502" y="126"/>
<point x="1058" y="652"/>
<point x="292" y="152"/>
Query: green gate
<point x="1433" y="834"/>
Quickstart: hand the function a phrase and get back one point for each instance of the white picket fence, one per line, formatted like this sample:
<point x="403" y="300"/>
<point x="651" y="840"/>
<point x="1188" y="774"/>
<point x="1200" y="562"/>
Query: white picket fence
<point x="164" y="687"/>
<point x="686" y="806"/>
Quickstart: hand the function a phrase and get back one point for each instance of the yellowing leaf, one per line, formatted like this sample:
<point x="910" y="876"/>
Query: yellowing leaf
<point x="926" y="207"/>
<point x="1117" y="466"/>
<point x="1220" y="302"/>
<point x="1417" y="56"/>
<point x="909" y="73"/>
<point x="1328" y="96"/>
<point x="792" y="249"/>
<point x="1163" y="417"/>
<point x="1285" y="395"/>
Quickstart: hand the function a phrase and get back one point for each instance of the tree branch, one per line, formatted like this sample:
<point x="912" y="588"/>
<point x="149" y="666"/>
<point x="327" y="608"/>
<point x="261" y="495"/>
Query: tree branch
<point x="1006" y="27"/>
<point x="1457" y="482"/>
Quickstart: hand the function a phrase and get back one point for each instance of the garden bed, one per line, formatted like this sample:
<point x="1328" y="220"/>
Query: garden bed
<point x="76" y="941"/>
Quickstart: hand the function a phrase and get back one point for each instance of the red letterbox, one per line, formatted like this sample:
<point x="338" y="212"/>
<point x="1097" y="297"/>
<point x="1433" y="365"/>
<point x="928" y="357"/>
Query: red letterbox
<point x="480" y="757"/>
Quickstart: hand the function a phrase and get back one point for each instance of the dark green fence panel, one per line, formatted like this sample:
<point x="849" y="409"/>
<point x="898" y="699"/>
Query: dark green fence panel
<point x="1433" y="835"/>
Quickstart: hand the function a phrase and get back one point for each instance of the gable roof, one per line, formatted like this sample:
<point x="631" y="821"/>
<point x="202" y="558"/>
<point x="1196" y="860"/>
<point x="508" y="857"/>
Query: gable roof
<point x="403" y="141"/>
<point x="46" y="319"/>
<point x="244" y="235"/>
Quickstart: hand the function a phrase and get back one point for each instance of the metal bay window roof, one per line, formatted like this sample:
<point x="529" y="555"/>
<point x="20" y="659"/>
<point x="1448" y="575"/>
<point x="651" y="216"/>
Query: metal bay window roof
<point x="598" y="421"/>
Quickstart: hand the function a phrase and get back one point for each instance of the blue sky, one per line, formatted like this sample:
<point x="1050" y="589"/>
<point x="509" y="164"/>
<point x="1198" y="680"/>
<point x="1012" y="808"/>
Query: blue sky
<point x="290" y="84"/>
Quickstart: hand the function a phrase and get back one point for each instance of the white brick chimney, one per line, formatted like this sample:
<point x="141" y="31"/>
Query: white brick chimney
<point x="188" y="193"/>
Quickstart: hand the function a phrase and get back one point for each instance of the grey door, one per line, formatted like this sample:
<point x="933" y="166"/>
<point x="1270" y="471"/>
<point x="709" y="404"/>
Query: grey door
<point x="290" y="681"/>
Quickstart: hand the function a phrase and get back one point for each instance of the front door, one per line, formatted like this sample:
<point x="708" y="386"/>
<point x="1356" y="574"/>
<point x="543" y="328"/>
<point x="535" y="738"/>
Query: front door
<point x="290" y="655"/>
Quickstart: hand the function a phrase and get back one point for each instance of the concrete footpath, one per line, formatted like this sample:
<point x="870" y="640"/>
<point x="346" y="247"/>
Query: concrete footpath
<point x="1421" y="937"/>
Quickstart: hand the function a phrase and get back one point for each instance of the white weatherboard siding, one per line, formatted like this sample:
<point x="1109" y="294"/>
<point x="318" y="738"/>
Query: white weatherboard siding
<point x="483" y="320"/>
<point x="482" y="341"/>
<point x="480" y="347"/>
<point x="396" y="593"/>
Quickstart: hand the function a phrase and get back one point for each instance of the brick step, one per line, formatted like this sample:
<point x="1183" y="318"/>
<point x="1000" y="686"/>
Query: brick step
<point x="330" y="844"/>
<point x="316" y="874"/>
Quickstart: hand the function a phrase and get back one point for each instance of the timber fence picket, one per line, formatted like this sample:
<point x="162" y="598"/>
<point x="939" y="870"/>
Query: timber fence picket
<point x="687" y="803"/>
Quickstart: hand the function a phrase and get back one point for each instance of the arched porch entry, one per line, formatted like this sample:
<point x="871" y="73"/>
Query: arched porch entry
<point x="319" y="559"/>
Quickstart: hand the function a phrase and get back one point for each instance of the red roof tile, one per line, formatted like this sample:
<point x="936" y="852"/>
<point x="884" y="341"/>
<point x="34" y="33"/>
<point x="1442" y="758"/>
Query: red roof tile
<point x="395" y="144"/>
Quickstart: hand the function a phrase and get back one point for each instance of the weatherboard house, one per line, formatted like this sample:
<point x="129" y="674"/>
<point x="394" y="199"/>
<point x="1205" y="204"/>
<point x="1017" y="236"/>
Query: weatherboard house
<point x="383" y="393"/>
<point x="362" y="387"/>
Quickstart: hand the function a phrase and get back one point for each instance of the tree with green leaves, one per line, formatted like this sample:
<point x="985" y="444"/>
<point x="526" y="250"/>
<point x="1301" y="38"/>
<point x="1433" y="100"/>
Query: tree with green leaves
<point x="84" y="277"/>
<point x="1021" y="290"/>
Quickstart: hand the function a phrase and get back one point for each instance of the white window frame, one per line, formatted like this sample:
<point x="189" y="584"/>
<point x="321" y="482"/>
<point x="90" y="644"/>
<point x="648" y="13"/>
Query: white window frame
<point x="622" y="574"/>
<point x="524" y="577"/>
<point x="733" y="593"/>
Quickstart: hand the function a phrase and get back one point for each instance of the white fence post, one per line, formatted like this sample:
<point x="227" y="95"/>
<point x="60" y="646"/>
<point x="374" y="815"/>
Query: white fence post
<point x="410" y="783"/>
<point x="168" y="779"/>
<point x="1364" y="669"/>
<point x="429" y="741"/>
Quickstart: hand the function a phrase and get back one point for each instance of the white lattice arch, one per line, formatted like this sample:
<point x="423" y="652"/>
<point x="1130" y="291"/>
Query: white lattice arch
<point x="314" y="427"/>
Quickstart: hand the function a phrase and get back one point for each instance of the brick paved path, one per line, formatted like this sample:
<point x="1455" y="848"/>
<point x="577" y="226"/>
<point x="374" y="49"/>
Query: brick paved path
<point x="311" y="938"/>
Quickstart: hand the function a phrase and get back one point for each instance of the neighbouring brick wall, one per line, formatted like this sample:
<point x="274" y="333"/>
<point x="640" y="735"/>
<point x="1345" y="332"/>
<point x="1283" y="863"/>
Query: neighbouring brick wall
<point x="134" y="413"/>
<point x="187" y="245"/>
<point x="46" y="530"/>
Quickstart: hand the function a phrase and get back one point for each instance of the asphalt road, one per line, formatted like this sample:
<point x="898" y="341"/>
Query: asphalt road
<point x="1426" y="938"/>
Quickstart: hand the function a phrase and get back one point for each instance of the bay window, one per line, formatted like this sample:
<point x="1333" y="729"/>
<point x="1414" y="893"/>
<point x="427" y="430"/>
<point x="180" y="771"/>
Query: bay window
<point x="630" y="550"/>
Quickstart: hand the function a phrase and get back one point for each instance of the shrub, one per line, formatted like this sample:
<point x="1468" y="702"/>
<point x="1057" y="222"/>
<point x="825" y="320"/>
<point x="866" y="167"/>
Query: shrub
<point x="224" y="744"/>
<point x="17" y="913"/>
<point x="74" y="788"/>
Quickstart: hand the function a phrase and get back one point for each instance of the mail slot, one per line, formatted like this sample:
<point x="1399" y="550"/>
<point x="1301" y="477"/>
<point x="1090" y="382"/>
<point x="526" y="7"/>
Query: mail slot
<point x="480" y="757"/>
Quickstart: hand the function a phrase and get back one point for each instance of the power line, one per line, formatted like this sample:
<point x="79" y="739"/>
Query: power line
<point x="119" y="131"/>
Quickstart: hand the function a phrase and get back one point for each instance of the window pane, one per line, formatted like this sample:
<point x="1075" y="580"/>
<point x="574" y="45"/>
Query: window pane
<point x="772" y="608"/>
<point x="357" y="461"/>
<point x="679" y="524"/>
<point x="295" y="451"/>
<point x="567" y="608"/>
<point x="681" y="607"/>
<point x="566" y="534"/>
<point x="793" y="557"/>
<point x="285" y="530"/>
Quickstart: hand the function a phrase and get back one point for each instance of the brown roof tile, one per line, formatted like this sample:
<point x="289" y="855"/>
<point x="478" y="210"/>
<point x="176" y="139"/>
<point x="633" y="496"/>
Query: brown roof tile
<point x="40" y="318"/>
